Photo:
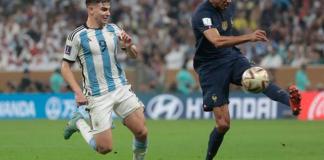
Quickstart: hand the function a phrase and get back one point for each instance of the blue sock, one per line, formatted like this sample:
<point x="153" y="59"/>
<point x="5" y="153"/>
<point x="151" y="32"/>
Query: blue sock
<point x="139" y="146"/>
<point x="277" y="94"/>
<point x="215" y="140"/>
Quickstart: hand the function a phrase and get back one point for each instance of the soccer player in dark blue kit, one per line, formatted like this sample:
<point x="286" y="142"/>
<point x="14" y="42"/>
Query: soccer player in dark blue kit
<point x="218" y="63"/>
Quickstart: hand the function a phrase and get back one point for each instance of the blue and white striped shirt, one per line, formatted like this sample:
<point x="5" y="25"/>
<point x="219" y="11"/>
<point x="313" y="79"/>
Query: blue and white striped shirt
<point x="96" y="51"/>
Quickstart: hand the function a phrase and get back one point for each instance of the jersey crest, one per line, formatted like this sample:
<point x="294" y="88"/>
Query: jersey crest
<point x="224" y="25"/>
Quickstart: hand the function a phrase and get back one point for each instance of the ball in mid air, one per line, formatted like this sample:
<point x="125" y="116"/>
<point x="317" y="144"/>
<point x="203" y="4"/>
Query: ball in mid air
<point x="255" y="79"/>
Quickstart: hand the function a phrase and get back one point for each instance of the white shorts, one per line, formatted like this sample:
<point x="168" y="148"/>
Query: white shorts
<point x="122" y="101"/>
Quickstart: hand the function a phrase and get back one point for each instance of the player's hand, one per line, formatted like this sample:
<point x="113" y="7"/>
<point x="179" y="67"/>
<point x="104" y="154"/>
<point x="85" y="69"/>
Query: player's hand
<point x="258" y="35"/>
<point x="125" y="39"/>
<point x="80" y="99"/>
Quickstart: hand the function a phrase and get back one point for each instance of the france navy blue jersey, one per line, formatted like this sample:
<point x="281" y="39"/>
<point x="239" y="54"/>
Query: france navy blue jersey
<point x="205" y="17"/>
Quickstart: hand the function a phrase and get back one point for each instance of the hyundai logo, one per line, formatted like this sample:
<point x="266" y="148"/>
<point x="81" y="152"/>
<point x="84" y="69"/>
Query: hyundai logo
<point x="165" y="106"/>
<point x="53" y="108"/>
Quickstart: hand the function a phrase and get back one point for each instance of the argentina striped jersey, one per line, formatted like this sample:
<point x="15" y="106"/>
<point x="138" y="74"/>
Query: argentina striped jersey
<point x="96" y="51"/>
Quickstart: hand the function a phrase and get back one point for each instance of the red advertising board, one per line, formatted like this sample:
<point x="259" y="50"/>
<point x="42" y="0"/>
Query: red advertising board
<point x="312" y="106"/>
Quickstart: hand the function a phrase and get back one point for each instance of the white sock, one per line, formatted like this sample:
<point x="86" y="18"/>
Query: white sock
<point x="139" y="149"/>
<point x="86" y="132"/>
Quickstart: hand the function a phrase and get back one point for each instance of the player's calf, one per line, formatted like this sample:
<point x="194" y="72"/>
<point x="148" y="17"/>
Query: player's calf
<point x="141" y="134"/>
<point x="223" y="127"/>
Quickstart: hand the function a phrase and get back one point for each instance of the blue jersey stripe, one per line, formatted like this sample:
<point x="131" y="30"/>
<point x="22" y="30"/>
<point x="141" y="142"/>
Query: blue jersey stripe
<point x="121" y="74"/>
<point x="94" y="85"/>
<point x="106" y="60"/>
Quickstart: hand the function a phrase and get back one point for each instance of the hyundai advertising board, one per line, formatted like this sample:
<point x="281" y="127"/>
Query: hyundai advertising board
<point x="161" y="106"/>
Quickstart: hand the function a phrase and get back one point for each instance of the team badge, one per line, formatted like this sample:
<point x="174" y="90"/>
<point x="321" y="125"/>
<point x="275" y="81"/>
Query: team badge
<point x="214" y="98"/>
<point x="224" y="25"/>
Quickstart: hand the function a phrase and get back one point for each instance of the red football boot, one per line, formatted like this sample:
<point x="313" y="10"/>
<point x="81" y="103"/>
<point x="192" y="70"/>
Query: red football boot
<point x="294" y="100"/>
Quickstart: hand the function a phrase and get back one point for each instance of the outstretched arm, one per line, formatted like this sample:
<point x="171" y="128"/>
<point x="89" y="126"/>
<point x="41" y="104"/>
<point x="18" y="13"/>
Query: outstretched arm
<point x="215" y="38"/>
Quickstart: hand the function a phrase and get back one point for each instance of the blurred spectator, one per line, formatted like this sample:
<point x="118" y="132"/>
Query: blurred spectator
<point x="41" y="87"/>
<point x="316" y="58"/>
<point x="146" y="78"/>
<point x="301" y="78"/>
<point x="185" y="81"/>
<point x="33" y="33"/>
<point x="34" y="38"/>
<point x="11" y="87"/>
<point x="56" y="81"/>
<point x="272" y="59"/>
<point x="175" y="58"/>
<point x="25" y="84"/>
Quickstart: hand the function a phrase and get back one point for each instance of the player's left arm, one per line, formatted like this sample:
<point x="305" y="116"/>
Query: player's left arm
<point x="215" y="38"/>
<point x="128" y="45"/>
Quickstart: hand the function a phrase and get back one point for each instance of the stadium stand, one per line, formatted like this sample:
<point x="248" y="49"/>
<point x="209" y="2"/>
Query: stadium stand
<point x="32" y="36"/>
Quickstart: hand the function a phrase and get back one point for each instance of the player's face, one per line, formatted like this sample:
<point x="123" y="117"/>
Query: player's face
<point x="221" y="4"/>
<point x="100" y="12"/>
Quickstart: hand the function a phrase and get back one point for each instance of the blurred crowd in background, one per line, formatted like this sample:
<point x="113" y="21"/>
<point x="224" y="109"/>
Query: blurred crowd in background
<point x="33" y="34"/>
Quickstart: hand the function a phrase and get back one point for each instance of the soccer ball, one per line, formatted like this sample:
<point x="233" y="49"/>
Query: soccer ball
<point x="255" y="80"/>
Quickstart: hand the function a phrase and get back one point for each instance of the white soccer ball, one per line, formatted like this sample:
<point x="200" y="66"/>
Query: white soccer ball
<point x="255" y="80"/>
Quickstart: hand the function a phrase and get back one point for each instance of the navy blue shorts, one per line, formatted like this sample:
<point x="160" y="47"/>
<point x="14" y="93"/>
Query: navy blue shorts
<point x="215" y="80"/>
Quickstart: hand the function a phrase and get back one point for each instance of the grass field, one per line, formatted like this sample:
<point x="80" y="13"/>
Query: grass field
<point x="169" y="140"/>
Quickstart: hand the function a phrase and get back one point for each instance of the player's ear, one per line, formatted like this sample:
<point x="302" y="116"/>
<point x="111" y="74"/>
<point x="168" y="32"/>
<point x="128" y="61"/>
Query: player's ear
<point x="91" y="9"/>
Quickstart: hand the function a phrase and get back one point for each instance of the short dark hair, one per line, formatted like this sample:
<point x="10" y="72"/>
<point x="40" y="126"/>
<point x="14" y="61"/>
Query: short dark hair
<point x="96" y="1"/>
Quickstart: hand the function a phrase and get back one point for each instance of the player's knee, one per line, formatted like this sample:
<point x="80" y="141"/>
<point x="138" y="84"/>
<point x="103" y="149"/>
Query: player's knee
<point x="104" y="149"/>
<point x="223" y="127"/>
<point x="141" y="134"/>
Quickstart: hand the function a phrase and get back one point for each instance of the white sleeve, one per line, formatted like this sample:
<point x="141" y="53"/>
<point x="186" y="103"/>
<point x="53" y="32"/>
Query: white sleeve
<point x="71" y="49"/>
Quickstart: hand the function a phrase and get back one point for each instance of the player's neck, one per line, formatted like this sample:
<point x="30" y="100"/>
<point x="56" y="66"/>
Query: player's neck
<point x="93" y="24"/>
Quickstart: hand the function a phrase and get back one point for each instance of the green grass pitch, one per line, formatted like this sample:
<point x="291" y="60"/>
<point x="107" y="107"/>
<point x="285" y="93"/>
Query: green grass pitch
<point x="169" y="140"/>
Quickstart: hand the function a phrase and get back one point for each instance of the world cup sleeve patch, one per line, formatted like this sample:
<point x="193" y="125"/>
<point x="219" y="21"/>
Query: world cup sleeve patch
<point x="207" y="22"/>
<point x="67" y="49"/>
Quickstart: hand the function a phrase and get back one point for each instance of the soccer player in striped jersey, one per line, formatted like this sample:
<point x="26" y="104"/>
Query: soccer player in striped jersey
<point x="105" y="89"/>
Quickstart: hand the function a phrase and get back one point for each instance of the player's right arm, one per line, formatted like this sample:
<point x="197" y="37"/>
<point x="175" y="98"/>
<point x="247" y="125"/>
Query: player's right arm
<point x="70" y="54"/>
<point x="70" y="79"/>
<point x="215" y="38"/>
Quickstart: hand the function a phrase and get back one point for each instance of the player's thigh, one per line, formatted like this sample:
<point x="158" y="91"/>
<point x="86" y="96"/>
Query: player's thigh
<point x="131" y="111"/>
<point x="239" y="66"/>
<point x="129" y="105"/>
<point x="215" y="86"/>
<point x="100" y="111"/>
<point x="135" y="122"/>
